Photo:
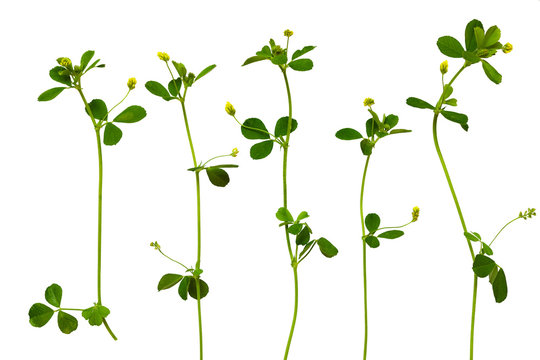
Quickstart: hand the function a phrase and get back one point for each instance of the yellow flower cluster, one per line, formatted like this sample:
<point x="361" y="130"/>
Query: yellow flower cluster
<point x="444" y="67"/>
<point x="163" y="56"/>
<point x="415" y="213"/>
<point x="234" y="152"/>
<point x="230" y="109"/>
<point x="155" y="245"/>
<point x="65" y="62"/>
<point x="131" y="83"/>
<point x="507" y="48"/>
<point x="369" y="102"/>
<point x="288" y="33"/>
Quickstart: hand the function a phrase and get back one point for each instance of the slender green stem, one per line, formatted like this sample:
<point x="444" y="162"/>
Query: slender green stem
<point x="500" y="231"/>
<point x="100" y="198"/>
<point x="473" y="315"/>
<point x="215" y="157"/>
<point x="295" y="273"/>
<point x="68" y="309"/>
<point x="121" y="101"/>
<point x="396" y="227"/>
<point x="255" y="129"/>
<point x="178" y="262"/>
<point x="364" y="255"/>
<point x="198" y="263"/>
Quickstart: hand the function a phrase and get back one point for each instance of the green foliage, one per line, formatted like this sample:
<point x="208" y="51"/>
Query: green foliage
<point x="483" y="265"/>
<point x="53" y="295"/>
<point x="85" y="58"/>
<point x="449" y="46"/>
<point x="98" y="109"/>
<point x="130" y="115"/>
<point x="391" y="234"/>
<point x="50" y="94"/>
<point x="217" y="176"/>
<point x="183" y="287"/>
<point x="470" y="38"/>
<point x="192" y="290"/>
<point x="54" y="73"/>
<point x="366" y="146"/>
<point x="461" y="119"/>
<point x="372" y="241"/>
<point x="348" y="134"/>
<point x="303" y="236"/>
<point x="418" y="103"/>
<point x="472" y="236"/>
<point x="67" y="323"/>
<point x="112" y="134"/>
<point x="205" y="71"/>
<point x="491" y="73"/>
<point x="305" y="50"/>
<point x="487" y="249"/>
<point x="40" y="314"/>
<point x="281" y="126"/>
<point x="499" y="286"/>
<point x="327" y="248"/>
<point x="284" y="215"/>
<point x="373" y="221"/>
<point x="180" y="69"/>
<point x="157" y="89"/>
<point x="301" y="65"/>
<point x="168" y="281"/>
<point x="95" y="314"/>
<point x="253" y="59"/>
<point x="261" y="150"/>
<point x="174" y="86"/>
<point x="254" y="128"/>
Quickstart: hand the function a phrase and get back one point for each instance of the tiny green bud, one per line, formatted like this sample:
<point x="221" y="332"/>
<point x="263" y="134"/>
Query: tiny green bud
<point x="230" y="109"/>
<point x="444" y="67"/>
<point x="131" y="83"/>
<point x="155" y="245"/>
<point x="163" y="56"/>
<point x="190" y="79"/>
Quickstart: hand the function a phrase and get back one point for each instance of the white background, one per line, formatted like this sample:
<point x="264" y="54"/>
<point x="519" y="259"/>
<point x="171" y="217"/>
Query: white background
<point x="420" y="286"/>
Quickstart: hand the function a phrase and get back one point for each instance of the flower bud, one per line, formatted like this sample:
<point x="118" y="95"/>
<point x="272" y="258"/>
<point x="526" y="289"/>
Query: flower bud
<point x="444" y="67"/>
<point x="507" y="48"/>
<point x="234" y="152"/>
<point x="163" y="56"/>
<point x="230" y="109"/>
<point x="131" y="83"/>
<point x="415" y="213"/>
<point x="369" y="102"/>
<point x="288" y="33"/>
<point x="65" y="62"/>
<point x="155" y="245"/>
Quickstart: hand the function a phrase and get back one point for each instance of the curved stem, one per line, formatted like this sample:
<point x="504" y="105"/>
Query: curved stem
<point x="109" y="329"/>
<point x="395" y="227"/>
<point x="471" y="344"/>
<point x="295" y="272"/>
<point x="500" y="231"/>
<point x="178" y="262"/>
<point x="364" y="255"/>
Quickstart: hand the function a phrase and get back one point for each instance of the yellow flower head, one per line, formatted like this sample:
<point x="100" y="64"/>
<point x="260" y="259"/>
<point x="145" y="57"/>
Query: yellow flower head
<point x="369" y="102"/>
<point x="163" y="56"/>
<point x="230" y="109"/>
<point x="131" y="83"/>
<point x="65" y="62"/>
<point x="444" y="67"/>
<point x="507" y="48"/>
<point x="415" y="213"/>
<point x="155" y="245"/>
<point x="288" y="33"/>
<point x="234" y="152"/>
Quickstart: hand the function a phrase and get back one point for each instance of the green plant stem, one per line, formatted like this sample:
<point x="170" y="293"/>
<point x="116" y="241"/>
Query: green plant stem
<point x="458" y="208"/>
<point x="178" y="262"/>
<point x="364" y="255"/>
<point x="100" y="199"/>
<point x="198" y="263"/>
<point x="294" y="262"/>
<point x="500" y="231"/>
<point x="395" y="227"/>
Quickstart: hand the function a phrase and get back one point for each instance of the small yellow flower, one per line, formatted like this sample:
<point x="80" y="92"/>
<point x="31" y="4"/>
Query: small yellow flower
<point x="415" y="213"/>
<point x="155" y="245"/>
<point x="163" y="56"/>
<point x="65" y="62"/>
<point x="507" y="48"/>
<point x="131" y="83"/>
<point x="234" y="152"/>
<point x="444" y="67"/>
<point x="369" y="102"/>
<point x="288" y="33"/>
<point x="230" y="109"/>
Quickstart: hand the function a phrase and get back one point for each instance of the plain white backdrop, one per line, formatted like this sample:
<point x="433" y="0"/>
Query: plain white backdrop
<point x="420" y="286"/>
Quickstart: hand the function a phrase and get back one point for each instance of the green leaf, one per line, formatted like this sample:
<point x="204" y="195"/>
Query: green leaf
<point x="95" y="314"/>
<point x="193" y="288"/>
<point x="168" y="281"/>
<point x="303" y="236"/>
<point x="50" y="94"/>
<point x="491" y="73"/>
<point x="295" y="229"/>
<point x="265" y="52"/>
<point x="492" y="36"/>
<point x="470" y="39"/>
<point x="451" y="102"/>
<point x="40" y="314"/>
<point x="307" y="248"/>
<point x="184" y="286"/>
<point x="487" y="249"/>
<point x="180" y="69"/>
<point x="54" y="73"/>
<point x="98" y="108"/>
<point x="254" y="59"/>
<point x="449" y="46"/>
<point x="369" y="127"/>
<point x="281" y="126"/>
<point x="500" y="287"/>
<point x="326" y="247"/>
<point x="174" y="86"/>
<point x="418" y="103"/>
<point x="157" y="89"/>
<point x="399" y="131"/>
<point x="217" y="176"/>
<point x="301" y="65"/>
<point x="391" y="120"/>
<point x="372" y="241"/>
<point x="261" y="150"/>
<point x="53" y="295"/>
<point x="112" y="134"/>
<point x="67" y="323"/>
<point x="448" y="90"/>
<point x="299" y="53"/>
<point x="348" y="134"/>
<point x="391" y="234"/>
<point x="455" y="117"/>
<point x="471" y="57"/>
<point x="373" y="221"/>
<point x="284" y="214"/>
<point x="205" y="71"/>
<point x="472" y="236"/>
<point x="479" y="37"/>
<point x="303" y="215"/>
<point x="367" y="146"/>
<point x="493" y="274"/>
<point x="85" y="59"/>
<point x="280" y="59"/>
<point x="224" y="166"/>
<point x="253" y="129"/>
<point x="483" y="265"/>
<point x="131" y="115"/>
<point x="93" y="65"/>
